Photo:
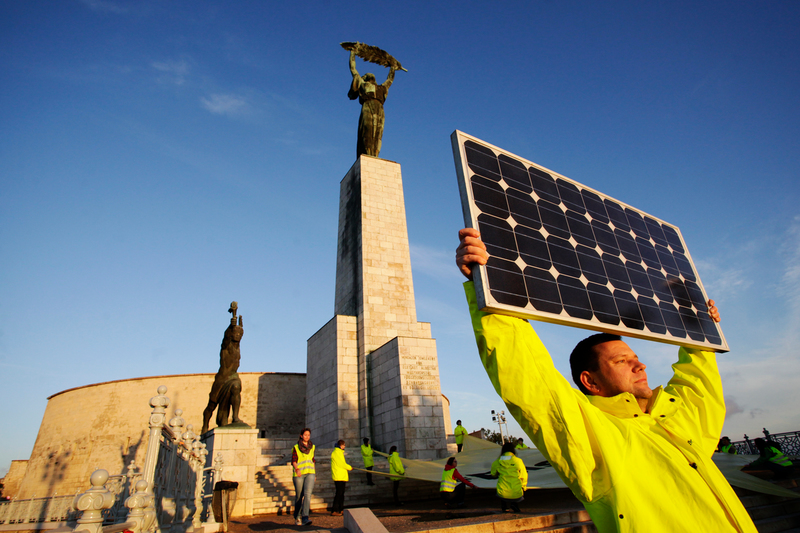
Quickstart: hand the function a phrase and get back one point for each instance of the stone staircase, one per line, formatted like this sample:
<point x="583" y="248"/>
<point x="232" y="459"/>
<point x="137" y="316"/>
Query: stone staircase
<point x="276" y="496"/>
<point x="773" y="514"/>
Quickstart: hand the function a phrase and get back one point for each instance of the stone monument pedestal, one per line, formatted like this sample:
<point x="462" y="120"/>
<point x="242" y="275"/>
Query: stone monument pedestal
<point x="239" y="458"/>
<point x="372" y="370"/>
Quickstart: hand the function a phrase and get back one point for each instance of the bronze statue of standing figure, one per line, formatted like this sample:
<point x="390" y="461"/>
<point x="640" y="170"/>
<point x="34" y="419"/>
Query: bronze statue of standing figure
<point x="370" y="95"/>
<point x="226" y="392"/>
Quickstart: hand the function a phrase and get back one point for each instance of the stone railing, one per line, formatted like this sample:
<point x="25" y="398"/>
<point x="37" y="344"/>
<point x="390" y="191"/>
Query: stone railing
<point x="166" y="496"/>
<point x="37" y="510"/>
<point x="60" y="509"/>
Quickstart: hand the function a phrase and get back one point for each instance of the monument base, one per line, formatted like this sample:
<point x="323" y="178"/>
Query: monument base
<point x="239" y="452"/>
<point x="373" y="369"/>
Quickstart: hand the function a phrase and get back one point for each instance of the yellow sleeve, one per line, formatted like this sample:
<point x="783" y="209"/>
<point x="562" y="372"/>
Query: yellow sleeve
<point x="545" y="405"/>
<point x="697" y="382"/>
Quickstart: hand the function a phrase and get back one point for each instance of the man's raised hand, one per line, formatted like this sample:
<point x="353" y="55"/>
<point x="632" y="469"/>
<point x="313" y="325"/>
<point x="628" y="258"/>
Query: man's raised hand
<point x="713" y="312"/>
<point x="471" y="250"/>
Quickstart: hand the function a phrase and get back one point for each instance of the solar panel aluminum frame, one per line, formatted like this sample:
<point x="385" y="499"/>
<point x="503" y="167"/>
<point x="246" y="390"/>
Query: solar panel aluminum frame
<point x="488" y="303"/>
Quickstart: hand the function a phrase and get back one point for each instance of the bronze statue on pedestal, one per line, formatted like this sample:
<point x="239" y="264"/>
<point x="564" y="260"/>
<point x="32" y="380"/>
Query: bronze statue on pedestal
<point x="226" y="392"/>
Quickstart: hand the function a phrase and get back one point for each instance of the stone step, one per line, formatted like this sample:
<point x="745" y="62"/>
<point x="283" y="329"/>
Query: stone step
<point x="778" y="524"/>
<point x="771" y="510"/>
<point x="773" y="514"/>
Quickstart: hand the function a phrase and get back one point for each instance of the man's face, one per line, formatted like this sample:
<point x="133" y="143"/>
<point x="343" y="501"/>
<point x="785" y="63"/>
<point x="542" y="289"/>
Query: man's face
<point x="619" y="370"/>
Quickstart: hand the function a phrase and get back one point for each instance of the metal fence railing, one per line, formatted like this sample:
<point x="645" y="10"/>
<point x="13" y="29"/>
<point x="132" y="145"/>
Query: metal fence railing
<point x="788" y="442"/>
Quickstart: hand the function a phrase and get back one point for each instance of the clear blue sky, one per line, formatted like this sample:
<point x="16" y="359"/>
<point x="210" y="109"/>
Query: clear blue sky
<point x="160" y="159"/>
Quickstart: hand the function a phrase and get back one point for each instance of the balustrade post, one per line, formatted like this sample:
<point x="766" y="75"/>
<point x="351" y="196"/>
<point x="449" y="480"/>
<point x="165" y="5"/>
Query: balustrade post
<point x="159" y="404"/>
<point x="198" y="461"/>
<point x="185" y="494"/>
<point x="171" y="493"/>
<point x="140" y="507"/>
<point x="211" y="521"/>
<point x="157" y="417"/>
<point x="92" y="503"/>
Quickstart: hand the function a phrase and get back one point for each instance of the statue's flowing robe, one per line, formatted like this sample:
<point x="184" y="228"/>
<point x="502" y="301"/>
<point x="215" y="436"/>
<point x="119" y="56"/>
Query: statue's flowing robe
<point x="371" y="96"/>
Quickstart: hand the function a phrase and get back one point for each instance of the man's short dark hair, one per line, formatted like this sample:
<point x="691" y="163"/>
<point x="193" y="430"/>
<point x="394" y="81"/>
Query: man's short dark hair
<point x="584" y="356"/>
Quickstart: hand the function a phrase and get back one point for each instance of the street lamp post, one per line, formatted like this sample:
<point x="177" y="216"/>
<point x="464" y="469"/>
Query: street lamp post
<point x="500" y="418"/>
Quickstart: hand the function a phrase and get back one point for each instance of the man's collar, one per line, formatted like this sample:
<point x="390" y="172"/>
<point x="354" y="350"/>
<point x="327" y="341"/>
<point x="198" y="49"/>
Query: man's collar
<point x="624" y="405"/>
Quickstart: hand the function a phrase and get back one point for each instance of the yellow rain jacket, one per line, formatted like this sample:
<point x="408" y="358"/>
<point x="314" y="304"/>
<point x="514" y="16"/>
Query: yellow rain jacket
<point x="512" y="476"/>
<point x="366" y="454"/>
<point x="339" y="466"/>
<point x="633" y="471"/>
<point x="459" y="432"/>
<point x="396" y="467"/>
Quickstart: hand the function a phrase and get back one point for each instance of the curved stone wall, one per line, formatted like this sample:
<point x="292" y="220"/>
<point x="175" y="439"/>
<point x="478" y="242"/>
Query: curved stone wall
<point x="105" y="425"/>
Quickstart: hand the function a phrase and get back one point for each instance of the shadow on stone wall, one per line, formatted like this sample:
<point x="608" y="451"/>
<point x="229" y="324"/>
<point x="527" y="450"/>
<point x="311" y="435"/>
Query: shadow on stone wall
<point x="281" y="407"/>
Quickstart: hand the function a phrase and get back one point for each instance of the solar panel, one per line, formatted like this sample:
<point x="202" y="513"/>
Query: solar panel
<point x="565" y="253"/>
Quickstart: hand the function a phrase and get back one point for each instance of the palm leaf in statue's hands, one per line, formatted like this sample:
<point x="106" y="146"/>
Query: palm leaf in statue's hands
<point x="373" y="54"/>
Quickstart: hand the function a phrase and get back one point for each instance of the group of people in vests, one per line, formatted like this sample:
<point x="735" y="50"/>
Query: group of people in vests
<point x="304" y="474"/>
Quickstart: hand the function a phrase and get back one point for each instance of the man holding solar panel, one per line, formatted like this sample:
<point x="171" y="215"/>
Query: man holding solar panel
<point x="639" y="459"/>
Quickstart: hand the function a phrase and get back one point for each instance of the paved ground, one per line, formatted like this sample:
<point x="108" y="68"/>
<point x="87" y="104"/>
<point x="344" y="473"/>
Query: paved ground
<point x="481" y="506"/>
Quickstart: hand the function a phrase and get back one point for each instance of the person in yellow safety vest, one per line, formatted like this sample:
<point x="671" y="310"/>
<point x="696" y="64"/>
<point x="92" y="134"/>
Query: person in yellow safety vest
<point x="725" y="446"/>
<point x="304" y="475"/>
<point x="459" y="432"/>
<point x="396" y="471"/>
<point x="512" y="477"/>
<point x="339" y="469"/>
<point x="772" y="458"/>
<point x="638" y="459"/>
<point x="521" y="445"/>
<point x="450" y="489"/>
<point x="369" y="462"/>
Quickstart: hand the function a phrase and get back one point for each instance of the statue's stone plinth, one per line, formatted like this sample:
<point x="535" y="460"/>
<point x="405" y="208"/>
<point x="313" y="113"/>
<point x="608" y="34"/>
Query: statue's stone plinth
<point x="239" y="459"/>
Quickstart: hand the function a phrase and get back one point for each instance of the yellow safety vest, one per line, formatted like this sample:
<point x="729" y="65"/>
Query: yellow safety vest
<point x="339" y="466"/>
<point x="778" y="458"/>
<point x="366" y="454"/>
<point x="459" y="432"/>
<point x="449" y="482"/>
<point x="520" y="447"/>
<point x="305" y="462"/>
<point x="727" y="449"/>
